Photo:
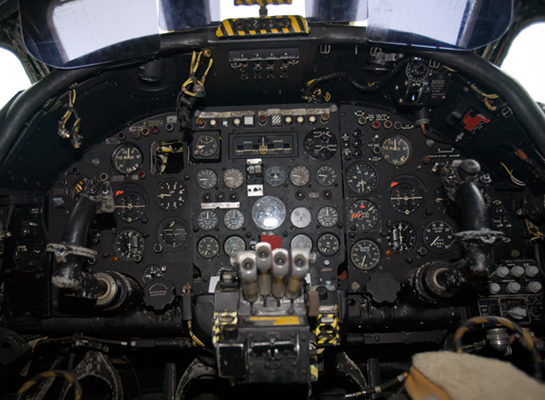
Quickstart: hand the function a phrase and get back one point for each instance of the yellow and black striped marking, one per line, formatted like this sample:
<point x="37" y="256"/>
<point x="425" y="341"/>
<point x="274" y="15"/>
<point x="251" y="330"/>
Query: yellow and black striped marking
<point x="51" y="374"/>
<point x="327" y="330"/>
<point x="222" y="318"/>
<point x="277" y="25"/>
<point x="261" y="3"/>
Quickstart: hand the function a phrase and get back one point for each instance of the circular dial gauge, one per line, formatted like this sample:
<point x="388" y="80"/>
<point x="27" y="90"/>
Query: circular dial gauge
<point x="206" y="179"/>
<point x="417" y="71"/>
<point x="328" y="217"/>
<point x="364" y="215"/>
<point x="207" y="220"/>
<point x="205" y="146"/>
<point x="233" y="178"/>
<point x="129" y="245"/>
<point x="173" y="232"/>
<point x="402" y="237"/>
<point x="208" y="247"/>
<point x="268" y="212"/>
<point x="438" y="236"/>
<point x="233" y="219"/>
<point x="233" y="245"/>
<point x="127" y="158"/>
<point x="301" y="242"/>
<point x="396" y="150"/>
<point x="275" y="176"/>
<point x="151" y="272"/>
<point x="365" y="254"/>
<point x="170" y="194"/>
<point x="326" y="175"/>
<point x="300" y="175"/>
<point x="320" y="144"/>
<point x="130" y="203"/>
<point x="328" y="244"/>
<point x="300" y="217"/>
<point x="362" y="178"/>
<point x="407" y="195"/>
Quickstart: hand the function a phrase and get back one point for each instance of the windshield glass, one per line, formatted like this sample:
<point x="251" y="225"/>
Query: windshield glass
<point x="72" y="33"/>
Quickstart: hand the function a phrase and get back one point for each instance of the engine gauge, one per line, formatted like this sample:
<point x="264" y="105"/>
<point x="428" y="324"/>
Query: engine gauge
<point x="127" y="158"/>
<point x="268" y="212"/>
<point x="152" y="272"/>
<point x="233" y="178"/>
<point x="275" y="176"/>
<point x="362" y="178"/>
<point x="233" y="219"/>
<point x="328" y="217"/>
<point x="205" y="146"/>
<point x="396" y="150"/>
<point x="320" y="144"/>
<point x="326" y="175"/>
<point x="365" y="254"/>
<point x="364" y="215"/>
<point x="328" y="244"/>
<point x="300" y="175"/>
<point x="207" y="220"/>
<point x="301" y="242"/>
<point x="129" y="245"/>
<point x="233" y="245"/>
<point x="170" y="194"/>
<point x="402" y="237"/>
<point x="206" y="179"/>
<point x="438" y="236"/>
<point x="301" y="217"/>
<point x="130" y="203"/>
<point x="208" y="247"/>
<point x="173" y="232"/>
<point x="407" y="194"/>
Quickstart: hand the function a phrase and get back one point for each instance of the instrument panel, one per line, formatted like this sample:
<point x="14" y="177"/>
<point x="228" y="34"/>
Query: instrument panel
<point x="357" y="185"/>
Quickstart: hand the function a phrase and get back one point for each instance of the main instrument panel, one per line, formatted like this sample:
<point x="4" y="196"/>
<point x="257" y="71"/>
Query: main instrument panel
<point x="359" y="186"/>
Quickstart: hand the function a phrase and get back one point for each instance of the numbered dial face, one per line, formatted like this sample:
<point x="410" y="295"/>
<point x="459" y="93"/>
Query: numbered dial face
<point x="173" y="232"/>
<point x="170" y="194"/>
<point x="206" y="179"/>
<point x="328" y="244"/>
<point x="402" y="237"/>
<point x="300" y="175"/>
<point x="207" y="220"/>
<point x="326" y="175"/>
<point x="127" y="158"/>
<point x="233" y="219"/>
<point x="364" y="215"/>
<point x="365" y="254"/>
<point x="233" y="178"/>
<point x="301" y="217"/>
<point x="130" y="203"/>
<point x="396" y="150"/>
<point x="151" y="272"/>
<point x="129" y="245"/>
<point x="275" y="176"/>
<point x="407" y="195"/>
<point x="205" y="146"/>
<point x="438" y="236"/>
<point x="328" y="217"/>
<point x="233" y="245"/>
<point x="208" y="247"/>
<point x="362" y="178"/>
<point x="320" y="144"/>
<point x="269" y="212"/>
<point x="301" y="242"/>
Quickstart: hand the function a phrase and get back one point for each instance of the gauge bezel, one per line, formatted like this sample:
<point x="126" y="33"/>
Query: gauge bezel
<point x="300" y="237"/>
<point x="235" y="183"/>
<point x="413" y="245"/>
<point x="217" y="243"/>
<point x="206" y="227"/>
<point x="368" y="267"/>
<point x="328" y="254"/>
<point x="363" y="226"/>
<point x="158" y="187"/>
<point x="116" y="152"/>
<point x="321" y="181"/>
<point x="203" y="171"/>
<point x="444" y="249"/>
<point x="259" y="203"/>
<point x="141" y="241"/>
<point x="363" y="192"/>
<point x="239" y="214"/>
<point x="268" y="179"/>
<point x="390" y="161"/>
<point x="318" y="216"/>
<point x="162" y="226"/>
<point x="307" y="215"/>
<point x="230" y="238"/>
<point x="302" y="182"/>
<point x="128" y="189"/>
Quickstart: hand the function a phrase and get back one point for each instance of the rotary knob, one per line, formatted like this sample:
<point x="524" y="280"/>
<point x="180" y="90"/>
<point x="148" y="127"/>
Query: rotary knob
<point x="513" y="287"/>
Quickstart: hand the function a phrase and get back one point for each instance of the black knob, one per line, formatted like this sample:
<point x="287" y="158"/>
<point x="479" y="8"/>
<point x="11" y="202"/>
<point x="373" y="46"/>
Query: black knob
<point x="158" y="294"/>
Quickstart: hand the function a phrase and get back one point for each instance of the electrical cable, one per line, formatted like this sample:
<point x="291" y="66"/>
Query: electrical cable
<point x="536" y="357"/>
<point x="516" y="181"/>
<point x="195" y="338"/>
<point x="380" y="388"/>
<point x="51" y="374"/>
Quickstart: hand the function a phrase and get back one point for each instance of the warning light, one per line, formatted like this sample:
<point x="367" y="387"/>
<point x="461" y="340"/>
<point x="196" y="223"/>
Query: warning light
<point x="362" y="206"/>
<point x="394" y="184"/>
<point x="117" y="193"/>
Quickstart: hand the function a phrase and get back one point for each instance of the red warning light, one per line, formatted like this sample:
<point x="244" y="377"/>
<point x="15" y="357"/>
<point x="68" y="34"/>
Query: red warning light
<point x="118" y="193"/>
<point x="362" y="206"/>
<point x="394" y="184"/>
